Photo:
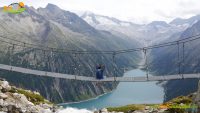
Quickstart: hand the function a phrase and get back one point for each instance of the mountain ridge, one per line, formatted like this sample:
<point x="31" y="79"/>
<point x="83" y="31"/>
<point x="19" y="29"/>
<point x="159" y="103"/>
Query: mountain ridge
<point x="64" y="30"/>
<point x="153" y="32"/>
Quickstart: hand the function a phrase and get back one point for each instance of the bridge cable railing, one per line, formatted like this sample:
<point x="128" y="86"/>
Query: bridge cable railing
<point x="114" y="53"/>
<point x="102" y="52"/>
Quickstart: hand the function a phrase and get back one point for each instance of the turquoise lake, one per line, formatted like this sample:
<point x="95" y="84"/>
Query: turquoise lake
<point x="126" y="93"/>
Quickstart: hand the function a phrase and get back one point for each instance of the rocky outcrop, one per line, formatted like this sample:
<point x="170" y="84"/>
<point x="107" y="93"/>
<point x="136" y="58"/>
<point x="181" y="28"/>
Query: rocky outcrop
<point x="181" y="104"/>
<point x="147" y="109"/>
<point x="14" y="100"/>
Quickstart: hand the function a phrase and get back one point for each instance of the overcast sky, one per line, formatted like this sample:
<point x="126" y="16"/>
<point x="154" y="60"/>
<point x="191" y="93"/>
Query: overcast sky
<point x="138" y="11"/>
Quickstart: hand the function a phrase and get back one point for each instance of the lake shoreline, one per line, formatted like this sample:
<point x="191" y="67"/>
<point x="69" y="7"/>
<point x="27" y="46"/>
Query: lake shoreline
<point x="61" y="104"/>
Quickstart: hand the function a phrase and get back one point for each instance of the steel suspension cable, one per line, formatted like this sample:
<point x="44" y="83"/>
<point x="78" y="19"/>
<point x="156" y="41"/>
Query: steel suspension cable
<point x="106" y="52"/>
<point x="162" y="44"/>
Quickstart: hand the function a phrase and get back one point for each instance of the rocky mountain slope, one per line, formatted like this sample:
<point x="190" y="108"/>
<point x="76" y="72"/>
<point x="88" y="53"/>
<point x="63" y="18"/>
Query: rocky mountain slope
<point x="166" y="61"/>
<point x="57" y="28"/>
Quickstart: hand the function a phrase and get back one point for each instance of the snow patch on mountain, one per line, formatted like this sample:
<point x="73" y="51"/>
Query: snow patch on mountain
<point x="106" y="21"/>
<point x="154" y="32"/>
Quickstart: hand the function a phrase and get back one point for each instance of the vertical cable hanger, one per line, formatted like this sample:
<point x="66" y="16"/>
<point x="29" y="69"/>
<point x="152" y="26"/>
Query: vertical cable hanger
<point x="67" y="63"/>
<point x="179" y="66"/>
<point x="44" y="53"/>
<point x="44" y="56"/>
<point x="12" y="55"/>
<point x="78" y="62"/>
<point x="113" y="60"/>
<point x="48" y="60"/>
<point x="51" y="62"/>
<point x="24" y="47"/>
<point x="45" y="62"/>
<point x="198" y="65"/>
<point x="146" y="64"/>
<point x="183" y="61"/>
<point x="101" y="62"/>
<point x="75" y="66"/>
<point x="9" y="53"/>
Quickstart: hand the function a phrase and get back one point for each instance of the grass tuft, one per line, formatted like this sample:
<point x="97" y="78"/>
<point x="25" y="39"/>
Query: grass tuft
<point x="34" y="98"/>
<point x="126" y="109"/>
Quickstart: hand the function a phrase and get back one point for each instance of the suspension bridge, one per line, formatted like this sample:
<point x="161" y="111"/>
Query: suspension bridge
<point x="111" y="78"/>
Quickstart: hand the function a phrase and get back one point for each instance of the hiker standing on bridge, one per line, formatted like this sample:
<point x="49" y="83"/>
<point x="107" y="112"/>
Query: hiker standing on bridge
<point x="99" y="71"/>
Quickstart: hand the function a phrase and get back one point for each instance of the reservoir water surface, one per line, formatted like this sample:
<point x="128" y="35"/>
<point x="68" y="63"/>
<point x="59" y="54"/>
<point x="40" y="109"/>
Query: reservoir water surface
<point x="126" y="93"/>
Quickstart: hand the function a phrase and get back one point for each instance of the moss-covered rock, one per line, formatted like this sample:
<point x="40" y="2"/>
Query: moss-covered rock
<point x="32" y="97"/>
<point x="181" y="104"/>
<point x="15" y="100"/>
<point x="126" y="109"/>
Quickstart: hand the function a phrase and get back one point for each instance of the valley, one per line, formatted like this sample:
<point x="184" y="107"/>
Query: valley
<point x="54" y="27"/>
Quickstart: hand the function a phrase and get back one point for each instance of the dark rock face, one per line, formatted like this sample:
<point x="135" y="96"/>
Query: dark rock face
<point x="180" y="87"/>
<point x="13" y="109"/>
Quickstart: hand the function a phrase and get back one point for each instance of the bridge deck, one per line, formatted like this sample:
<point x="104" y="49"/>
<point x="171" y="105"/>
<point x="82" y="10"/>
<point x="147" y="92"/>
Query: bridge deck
<point x="93" y="79"/>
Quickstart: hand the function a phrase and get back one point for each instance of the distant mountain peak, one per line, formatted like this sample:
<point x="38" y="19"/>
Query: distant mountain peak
<point x="52" y="8"/>
<point x="88" y="13"/>
<point x="96" y="19"/>
<point x="161" y="23"/>
<point x="190" y="21"/>
<point x="49" y="5"/>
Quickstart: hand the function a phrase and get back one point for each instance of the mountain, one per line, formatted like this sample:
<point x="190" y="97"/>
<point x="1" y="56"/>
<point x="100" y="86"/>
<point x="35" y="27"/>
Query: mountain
<point x="95" y="20"/>
<point x="159" y="24"/>
<point x="166" y="61"/>
<point x="120" y="28"/>
<point x="185" y="22"/>
<point x="151" y="33"/>
<point x="57" y="28"/>
<point x="162" y="61"/>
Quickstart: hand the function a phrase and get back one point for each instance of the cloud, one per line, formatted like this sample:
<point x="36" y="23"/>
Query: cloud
<point x="142" y="11"/>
